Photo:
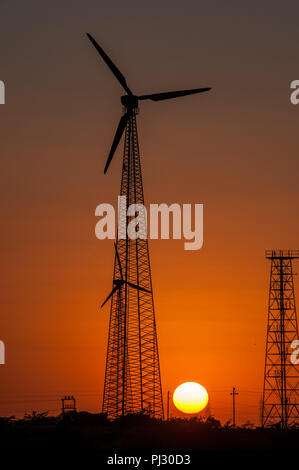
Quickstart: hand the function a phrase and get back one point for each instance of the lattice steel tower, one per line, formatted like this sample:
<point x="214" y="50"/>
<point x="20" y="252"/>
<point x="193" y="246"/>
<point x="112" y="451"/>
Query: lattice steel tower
<point x="280" y="404"/>
<point x="132" y="377"/>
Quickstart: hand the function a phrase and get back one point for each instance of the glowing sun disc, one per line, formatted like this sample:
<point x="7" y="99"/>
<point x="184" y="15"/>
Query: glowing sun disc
<point x="190" y="397"/>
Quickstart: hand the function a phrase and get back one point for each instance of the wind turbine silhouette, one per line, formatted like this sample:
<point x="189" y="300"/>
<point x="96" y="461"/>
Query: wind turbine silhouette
<point x="130" y="101"/>
<point x="132" y="375"/>
<point x="118" y="283"/>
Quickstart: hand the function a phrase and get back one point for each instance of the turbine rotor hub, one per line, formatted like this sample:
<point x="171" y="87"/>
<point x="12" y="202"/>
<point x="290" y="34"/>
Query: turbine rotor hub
<point x="129" y="101"/>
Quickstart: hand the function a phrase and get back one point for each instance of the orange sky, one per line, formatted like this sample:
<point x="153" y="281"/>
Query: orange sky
<point x="235" y="150"/>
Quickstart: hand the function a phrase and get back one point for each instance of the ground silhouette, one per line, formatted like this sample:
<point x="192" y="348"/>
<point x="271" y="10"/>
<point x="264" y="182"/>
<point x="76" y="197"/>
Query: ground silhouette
<point x="138" y="433"/>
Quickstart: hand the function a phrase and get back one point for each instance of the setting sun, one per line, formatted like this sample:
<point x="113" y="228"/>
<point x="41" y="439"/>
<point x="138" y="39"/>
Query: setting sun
<point x="190" y="397"/>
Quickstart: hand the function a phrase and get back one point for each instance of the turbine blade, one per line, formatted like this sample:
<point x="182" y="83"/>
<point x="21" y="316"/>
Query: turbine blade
<point x="110" y="64"/>
<point x="110" y="295"/>
<point x="138" y="287"/>
<point x="119" y="132"/>
<point x="172" y="94"/>
<point x="119" y="263"/>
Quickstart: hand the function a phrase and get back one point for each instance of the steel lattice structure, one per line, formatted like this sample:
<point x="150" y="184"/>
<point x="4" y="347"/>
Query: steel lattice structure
<point x="280" y="404"/>
<point x="132" y="377"/>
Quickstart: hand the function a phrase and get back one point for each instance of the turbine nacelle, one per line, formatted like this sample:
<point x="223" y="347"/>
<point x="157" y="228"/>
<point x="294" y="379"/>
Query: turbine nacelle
<point x="118" y="282"/>
<point x="129" y="101"/>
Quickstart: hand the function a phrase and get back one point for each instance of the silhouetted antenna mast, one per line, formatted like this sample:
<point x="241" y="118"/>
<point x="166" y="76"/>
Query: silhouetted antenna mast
<point x="132" y="377"/>
<point x="234" y="393"/>
<point x="168" y="399"/>
<point x="281" y="381"/>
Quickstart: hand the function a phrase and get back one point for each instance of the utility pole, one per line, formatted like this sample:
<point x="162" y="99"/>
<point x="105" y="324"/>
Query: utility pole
<point x="168" y="393"/>
<point x="234" y="393"/>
